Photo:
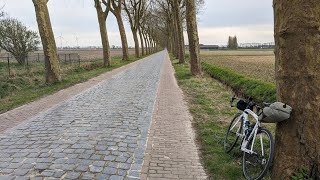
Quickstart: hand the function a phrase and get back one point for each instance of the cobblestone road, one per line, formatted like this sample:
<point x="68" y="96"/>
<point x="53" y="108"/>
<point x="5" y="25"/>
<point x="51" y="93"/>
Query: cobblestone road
<point x="98" y="134"/>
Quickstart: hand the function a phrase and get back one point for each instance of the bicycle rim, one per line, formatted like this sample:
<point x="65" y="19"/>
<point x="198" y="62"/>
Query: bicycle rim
<point x="256" y="165"/>
<point x="231" y="135"/>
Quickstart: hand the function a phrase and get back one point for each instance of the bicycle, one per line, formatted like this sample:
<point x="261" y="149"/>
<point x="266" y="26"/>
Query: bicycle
<point x="257" y="153"/>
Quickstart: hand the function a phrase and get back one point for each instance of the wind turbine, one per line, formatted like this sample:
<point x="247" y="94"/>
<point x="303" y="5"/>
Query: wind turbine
<point x="77" y="39"/>
<point x="60" y="37"/>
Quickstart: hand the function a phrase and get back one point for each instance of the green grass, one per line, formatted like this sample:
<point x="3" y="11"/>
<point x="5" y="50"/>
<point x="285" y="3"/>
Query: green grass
<point x="208" y="103"/>
<point x="248" y="87"/>
<point x="25" y="86"/>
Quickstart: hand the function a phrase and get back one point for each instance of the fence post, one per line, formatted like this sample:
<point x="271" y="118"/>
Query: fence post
<point x="38" y="57"/>
<point x="79" y="60"/>
<point x="69" y="58"/>
<point x="65" y="58"/>
<point x="8" y="58"/>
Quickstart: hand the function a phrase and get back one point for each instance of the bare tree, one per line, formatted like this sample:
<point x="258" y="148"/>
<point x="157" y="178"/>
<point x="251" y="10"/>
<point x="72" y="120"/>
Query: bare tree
<point x="193" y="38"/>
<point x="297" y="29"/>
<point x="102" y="17"/>
<point x="16" y="39"/>
<point x="48" y="42"/>
<point x="133" y="10"/>
<point x="178" y="20"/>
<point x="116" y="8"/>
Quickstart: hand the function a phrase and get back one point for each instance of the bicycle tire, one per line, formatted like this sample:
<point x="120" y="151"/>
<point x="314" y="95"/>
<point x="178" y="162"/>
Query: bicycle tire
<point x="248" y="160"/>
<point x="228" y="146"/>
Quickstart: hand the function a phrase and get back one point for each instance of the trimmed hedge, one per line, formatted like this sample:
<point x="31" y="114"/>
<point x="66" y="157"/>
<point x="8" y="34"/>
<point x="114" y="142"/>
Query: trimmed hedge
<point x="248" y="87"/>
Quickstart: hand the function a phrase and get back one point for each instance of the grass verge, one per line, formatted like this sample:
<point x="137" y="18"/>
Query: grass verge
<point x="28" y="92"/>
<point x="240" y="84"/>
<point x="208" y="103"/>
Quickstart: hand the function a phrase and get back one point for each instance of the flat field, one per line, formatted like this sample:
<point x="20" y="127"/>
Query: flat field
<point x="256" y="64"/>
<point x="85" y="54"/>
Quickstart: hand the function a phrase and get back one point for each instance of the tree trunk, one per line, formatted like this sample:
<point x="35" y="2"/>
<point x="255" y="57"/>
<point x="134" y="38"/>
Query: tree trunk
<point x="104" y="37"/>
<point x="21" y="58"/>
<point x="146" y="43"/>
<point x="180" y="37"/>
<point x="193" y="38"/>
<point x="136" y="42"/>
<point x="154" y="46"/>
<point x="297" y="38"/>
<point x="149" y="44"/>
<point x="124" y="41"/>
<point x="52" y="66"/>
<point x="175" y="40"/>
<point x="141" y="41"/>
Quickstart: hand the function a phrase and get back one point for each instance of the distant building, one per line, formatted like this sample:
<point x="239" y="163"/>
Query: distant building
<point x="208" y="47"/>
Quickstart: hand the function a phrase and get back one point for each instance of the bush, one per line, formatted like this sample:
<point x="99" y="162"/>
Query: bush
<point x="248" y="87"/>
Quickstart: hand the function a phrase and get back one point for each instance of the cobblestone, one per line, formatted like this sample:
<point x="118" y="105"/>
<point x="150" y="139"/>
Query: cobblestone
<point x="80" y="134"/>
<point x="100" y="133"/>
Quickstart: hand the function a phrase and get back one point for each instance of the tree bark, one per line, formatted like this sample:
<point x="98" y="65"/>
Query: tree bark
<point x="177" y="11"/>
<point x="297" y="38"/>
<point x="176" y="41"/>
<point x="104" y="34"/>
<point x="141" y="42"/>
<point x="149" y="44"/>
<point x="136" y="42"/>
<point x="193" y="38"/>
<point x="146" y="43"/>
<point x="52" y="66"/>
<point x="124" y="41"/>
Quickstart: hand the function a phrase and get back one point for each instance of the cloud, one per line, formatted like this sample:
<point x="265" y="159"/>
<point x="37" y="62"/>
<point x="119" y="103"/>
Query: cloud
<point x="217" y="13"/>
<point x="250" y="20"/>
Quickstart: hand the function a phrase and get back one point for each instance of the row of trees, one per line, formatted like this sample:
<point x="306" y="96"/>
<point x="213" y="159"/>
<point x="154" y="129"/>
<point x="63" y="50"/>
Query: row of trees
<point x="154" y="24"/>
<point x="173" y="18"/>
<point x="161" y="23"/>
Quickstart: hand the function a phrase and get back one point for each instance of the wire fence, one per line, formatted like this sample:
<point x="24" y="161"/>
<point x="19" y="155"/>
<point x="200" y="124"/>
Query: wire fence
<point x="9" y="64"/>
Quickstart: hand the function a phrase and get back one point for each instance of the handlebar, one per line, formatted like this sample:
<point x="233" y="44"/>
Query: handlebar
<point x="250" y="102"/>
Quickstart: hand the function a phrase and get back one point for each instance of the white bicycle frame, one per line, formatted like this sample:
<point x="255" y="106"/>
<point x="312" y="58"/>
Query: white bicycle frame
<point x="244" y="117"/>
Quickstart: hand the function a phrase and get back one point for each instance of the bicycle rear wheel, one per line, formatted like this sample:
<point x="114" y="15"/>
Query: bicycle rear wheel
<point x="231" y="136"/>
<point x="256" y="165"/>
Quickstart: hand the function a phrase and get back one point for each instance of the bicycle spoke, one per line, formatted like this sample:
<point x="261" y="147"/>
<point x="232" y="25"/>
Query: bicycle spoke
<point x="233" y="132"/>
<point x="255" y="165"/>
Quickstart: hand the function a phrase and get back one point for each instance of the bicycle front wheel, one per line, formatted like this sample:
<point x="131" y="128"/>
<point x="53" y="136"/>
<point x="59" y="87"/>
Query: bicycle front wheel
<point x="232" y="135"/>
<point x="257" y="164"/>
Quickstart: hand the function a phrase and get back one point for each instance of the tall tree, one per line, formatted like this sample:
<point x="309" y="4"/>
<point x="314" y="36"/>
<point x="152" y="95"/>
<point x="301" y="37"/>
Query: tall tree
<point x="102" y="17"/>
<point x="192" y="30"/>
<point x="116" y="9"/>
<point x="297" y="38"/>
<point x="133" y="9"/>
<point x="179" y="26"/>
<point x="48" y="42"/>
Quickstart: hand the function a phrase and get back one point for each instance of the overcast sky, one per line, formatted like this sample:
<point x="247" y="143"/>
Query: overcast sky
<point x="250" y="20"/>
